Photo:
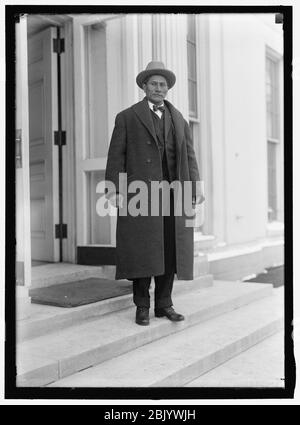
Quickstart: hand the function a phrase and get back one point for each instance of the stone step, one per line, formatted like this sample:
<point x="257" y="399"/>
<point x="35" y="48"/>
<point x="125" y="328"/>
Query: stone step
<point x="262" y="366"/>
<point x="201" y="265"/>
<point x="56" y="273"/>
<point x="236" y="262"/>
<point x="179" y="358"/>
<point x="43" y="319"/>
<point x="203" y="243"/>
<point x="48" y="358"/>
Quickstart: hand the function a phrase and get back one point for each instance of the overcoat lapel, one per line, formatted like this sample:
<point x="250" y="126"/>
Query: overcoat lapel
<point x="143" y="112"/>
<point x="178" y="123"/>
<point x="168" y="123"/>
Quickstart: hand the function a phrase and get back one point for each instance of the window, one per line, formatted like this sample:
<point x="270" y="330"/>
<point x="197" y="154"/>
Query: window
<point x="194" y="125"/>
<point x="192" y="65"/>
<point x="272" y="106"/>
<point x="272" y="100"/>
<point x="96" y="91"/>
<point x="272" y="182"/>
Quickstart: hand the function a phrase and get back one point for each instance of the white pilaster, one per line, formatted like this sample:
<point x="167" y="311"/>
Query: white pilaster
<point x="144" y="44"/>
<point x="170" y="47"/>
<point x="129" y="60"/>
<point x="215" y="105"/>
<point x="115" y="80"/>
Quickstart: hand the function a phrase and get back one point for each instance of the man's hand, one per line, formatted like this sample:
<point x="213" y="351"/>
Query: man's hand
<point x="199" y="199"/>
<point x="116" y="200"/>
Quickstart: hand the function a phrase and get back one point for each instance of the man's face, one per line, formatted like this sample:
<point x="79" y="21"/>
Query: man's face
<point x="156" y="89"/>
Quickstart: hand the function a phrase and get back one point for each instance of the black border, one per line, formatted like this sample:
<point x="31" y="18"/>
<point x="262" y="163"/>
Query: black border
<point x="13" y="392"/>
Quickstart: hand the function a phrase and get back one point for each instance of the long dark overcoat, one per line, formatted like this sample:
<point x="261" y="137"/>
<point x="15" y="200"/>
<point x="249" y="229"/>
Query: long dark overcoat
<point x="134" y="150"/>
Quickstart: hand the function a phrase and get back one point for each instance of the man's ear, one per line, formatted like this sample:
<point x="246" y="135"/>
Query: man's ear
<point x="144" y="87"/>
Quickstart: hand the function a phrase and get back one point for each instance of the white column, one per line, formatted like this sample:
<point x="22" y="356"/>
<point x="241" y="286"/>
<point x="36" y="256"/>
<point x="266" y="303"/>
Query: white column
<point x="144" y="44"/>
<point x="169" y="46"/>
<point x="115" y="80"/>
<point x="129" y="60"/>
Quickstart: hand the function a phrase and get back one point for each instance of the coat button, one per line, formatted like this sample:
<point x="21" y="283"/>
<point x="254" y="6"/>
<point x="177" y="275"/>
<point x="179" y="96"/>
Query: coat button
<point x="148" y="160"/>
<point x="148" y="142"/>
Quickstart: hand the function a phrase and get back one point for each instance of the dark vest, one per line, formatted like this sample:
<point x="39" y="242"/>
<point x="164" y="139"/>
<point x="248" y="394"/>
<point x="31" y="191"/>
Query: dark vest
<point x="167" y="146"/>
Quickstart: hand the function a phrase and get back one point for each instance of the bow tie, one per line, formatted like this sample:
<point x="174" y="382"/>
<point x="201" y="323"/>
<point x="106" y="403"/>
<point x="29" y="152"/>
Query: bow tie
<point x="158" y="108"/>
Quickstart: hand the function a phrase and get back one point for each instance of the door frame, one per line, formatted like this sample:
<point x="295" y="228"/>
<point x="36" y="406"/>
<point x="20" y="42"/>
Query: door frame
<point x="68" y="157"/>
<point x="44" y="70"/>
<point x="83" y="165"/>
<point x="23" y="236"/>
<point x="68" y="160"/>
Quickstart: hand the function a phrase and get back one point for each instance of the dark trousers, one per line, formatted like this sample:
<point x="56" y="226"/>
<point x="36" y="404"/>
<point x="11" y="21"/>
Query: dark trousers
<point x="163" y="283"/>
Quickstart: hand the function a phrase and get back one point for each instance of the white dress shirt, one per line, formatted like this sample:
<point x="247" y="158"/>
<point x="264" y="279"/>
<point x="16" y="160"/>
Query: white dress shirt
<point x="158" y="113"/>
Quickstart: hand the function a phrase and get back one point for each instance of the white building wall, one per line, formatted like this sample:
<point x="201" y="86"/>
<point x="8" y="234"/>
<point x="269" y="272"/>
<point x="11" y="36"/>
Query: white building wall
<point x="245" y="130"/>
<point x="238" y="54"/>
<point x="216" y="124"/>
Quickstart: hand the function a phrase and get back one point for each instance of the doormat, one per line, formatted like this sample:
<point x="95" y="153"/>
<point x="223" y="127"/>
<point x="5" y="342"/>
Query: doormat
<point x="73" y="294"/>
<point x="273" y="275"/>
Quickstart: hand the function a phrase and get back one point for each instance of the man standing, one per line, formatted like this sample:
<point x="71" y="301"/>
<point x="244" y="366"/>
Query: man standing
<point x="151" y="142"/>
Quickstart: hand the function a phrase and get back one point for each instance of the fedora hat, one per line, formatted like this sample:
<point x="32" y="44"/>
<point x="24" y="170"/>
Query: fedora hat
<point x="156" y="68"/>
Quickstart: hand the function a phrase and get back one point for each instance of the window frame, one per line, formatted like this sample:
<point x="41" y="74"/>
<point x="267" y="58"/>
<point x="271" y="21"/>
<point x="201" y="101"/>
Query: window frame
<point x="193" y="42"/>
<point x="276" y="59"/>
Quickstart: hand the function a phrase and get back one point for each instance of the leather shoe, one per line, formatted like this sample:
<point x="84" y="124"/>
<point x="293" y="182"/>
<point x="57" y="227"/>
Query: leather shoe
<point x="170" y="313"/>
<point x="142" y="316"/>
